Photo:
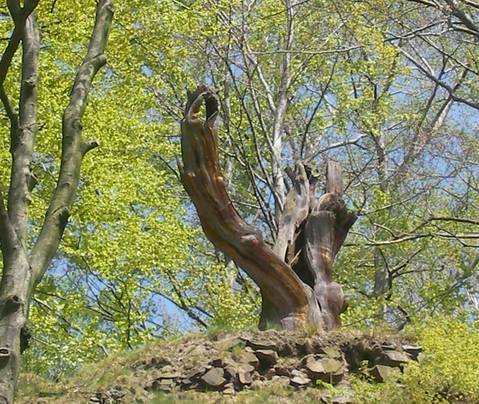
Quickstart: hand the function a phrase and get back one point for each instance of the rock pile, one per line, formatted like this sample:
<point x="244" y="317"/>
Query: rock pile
<point x="231" y="363"/>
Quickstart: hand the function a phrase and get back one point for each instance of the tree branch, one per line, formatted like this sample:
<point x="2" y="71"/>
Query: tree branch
<point x="19" y="16"/>
<point x="11" y="114"/>
<point x="280" y="114"/>
<point x="23" y="137"/>
<point x="7" y="232"/>
<point x="447" y="87"/>
<point x="463" y="17"/>
<point x="73" y="146"/>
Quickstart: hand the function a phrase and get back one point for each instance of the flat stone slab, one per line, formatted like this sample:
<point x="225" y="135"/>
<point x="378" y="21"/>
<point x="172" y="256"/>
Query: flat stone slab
<point x="300" y="381"/>
<point x="249" y="358"/>
<point x="266" y="357"/>
<point x="393" y="358"/>
<point x="331" y="352"/>
<point x="382" y="372"/>
<point x="260" y="344"/>
<point x="326" y="369"/>
<point x="245" y="377"/>
<point x="412" y="350"/>
<point x="214" y="377"/>
<point x="229" y="344"/>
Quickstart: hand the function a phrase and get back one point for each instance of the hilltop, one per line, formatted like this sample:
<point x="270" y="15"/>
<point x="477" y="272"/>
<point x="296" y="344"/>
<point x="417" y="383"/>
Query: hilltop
<point x="246" y="367"/>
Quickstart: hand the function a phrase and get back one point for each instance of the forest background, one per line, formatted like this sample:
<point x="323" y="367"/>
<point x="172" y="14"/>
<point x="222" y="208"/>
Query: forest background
<point x="388" y="89"/>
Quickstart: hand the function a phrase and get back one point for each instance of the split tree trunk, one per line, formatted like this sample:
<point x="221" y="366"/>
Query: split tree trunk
<point x="295" y="276"/>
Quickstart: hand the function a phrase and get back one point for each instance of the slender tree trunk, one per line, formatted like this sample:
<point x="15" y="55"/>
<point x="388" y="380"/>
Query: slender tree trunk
<point x="23" y="269"/>
<point x="16" y="277"/>
<point x="295" y="277"/>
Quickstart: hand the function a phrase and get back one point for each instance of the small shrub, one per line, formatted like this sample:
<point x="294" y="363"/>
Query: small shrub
<point x="448" y="371"/>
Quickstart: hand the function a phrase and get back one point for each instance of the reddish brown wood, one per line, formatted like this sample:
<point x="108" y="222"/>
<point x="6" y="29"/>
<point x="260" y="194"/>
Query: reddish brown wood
<point x="318" y="236"/>
<point x="221" y="222"/>
<point x="295" y="277"/>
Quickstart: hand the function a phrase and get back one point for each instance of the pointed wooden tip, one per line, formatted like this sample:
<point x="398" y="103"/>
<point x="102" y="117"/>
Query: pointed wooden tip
<point x="334" y="180"/>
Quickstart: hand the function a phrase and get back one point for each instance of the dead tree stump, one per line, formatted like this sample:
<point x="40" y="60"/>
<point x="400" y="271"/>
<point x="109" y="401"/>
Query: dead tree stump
<point x="295" y="276"/>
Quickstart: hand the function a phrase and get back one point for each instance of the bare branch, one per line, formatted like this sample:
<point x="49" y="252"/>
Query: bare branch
<point x="470" y="3"/>
<point x="280" y="114"/>
<point x="7" y="232"/>
<point x="353" y="141"/>
<point x="12" y="116"/>
<point x="89" y="145"/>
<point x="19" y="16"/>
<point x="447" y="87"/>
<point x="463" y="17"/>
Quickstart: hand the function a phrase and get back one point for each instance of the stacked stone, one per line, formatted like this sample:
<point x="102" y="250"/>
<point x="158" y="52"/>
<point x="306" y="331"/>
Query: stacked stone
<point x="251" y="363"/>
<point x="231" y="363"/>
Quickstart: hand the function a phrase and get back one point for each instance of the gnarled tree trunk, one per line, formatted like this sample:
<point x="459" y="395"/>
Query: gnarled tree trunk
<point x="295" y="276"/>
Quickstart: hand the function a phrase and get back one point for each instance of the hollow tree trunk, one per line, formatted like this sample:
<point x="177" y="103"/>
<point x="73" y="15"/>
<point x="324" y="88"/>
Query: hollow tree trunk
<point x="311" y="232"/>
<point x="295" y="277"/>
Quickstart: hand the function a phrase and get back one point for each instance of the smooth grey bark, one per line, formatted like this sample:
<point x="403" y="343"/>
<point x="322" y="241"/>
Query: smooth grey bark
<point x="23" y="139"/>
<point x="24" y="269"/>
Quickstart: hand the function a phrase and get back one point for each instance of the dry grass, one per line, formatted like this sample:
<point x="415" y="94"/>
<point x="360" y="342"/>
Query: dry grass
<point x="121" y="370"/>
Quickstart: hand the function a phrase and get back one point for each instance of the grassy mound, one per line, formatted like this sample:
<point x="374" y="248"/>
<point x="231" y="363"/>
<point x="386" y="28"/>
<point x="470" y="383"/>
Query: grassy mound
<point x="447" y="371"/>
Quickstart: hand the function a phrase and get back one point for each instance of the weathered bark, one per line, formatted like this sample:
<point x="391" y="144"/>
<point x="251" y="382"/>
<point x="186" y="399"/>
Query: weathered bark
<point x="16" y="276"/>
<point x="224" y="227"/>
<point x="311" y="233"/>
<point x="23" y="269"/>
<point x="295" y="277"/>
<point x="14" y="288"/>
